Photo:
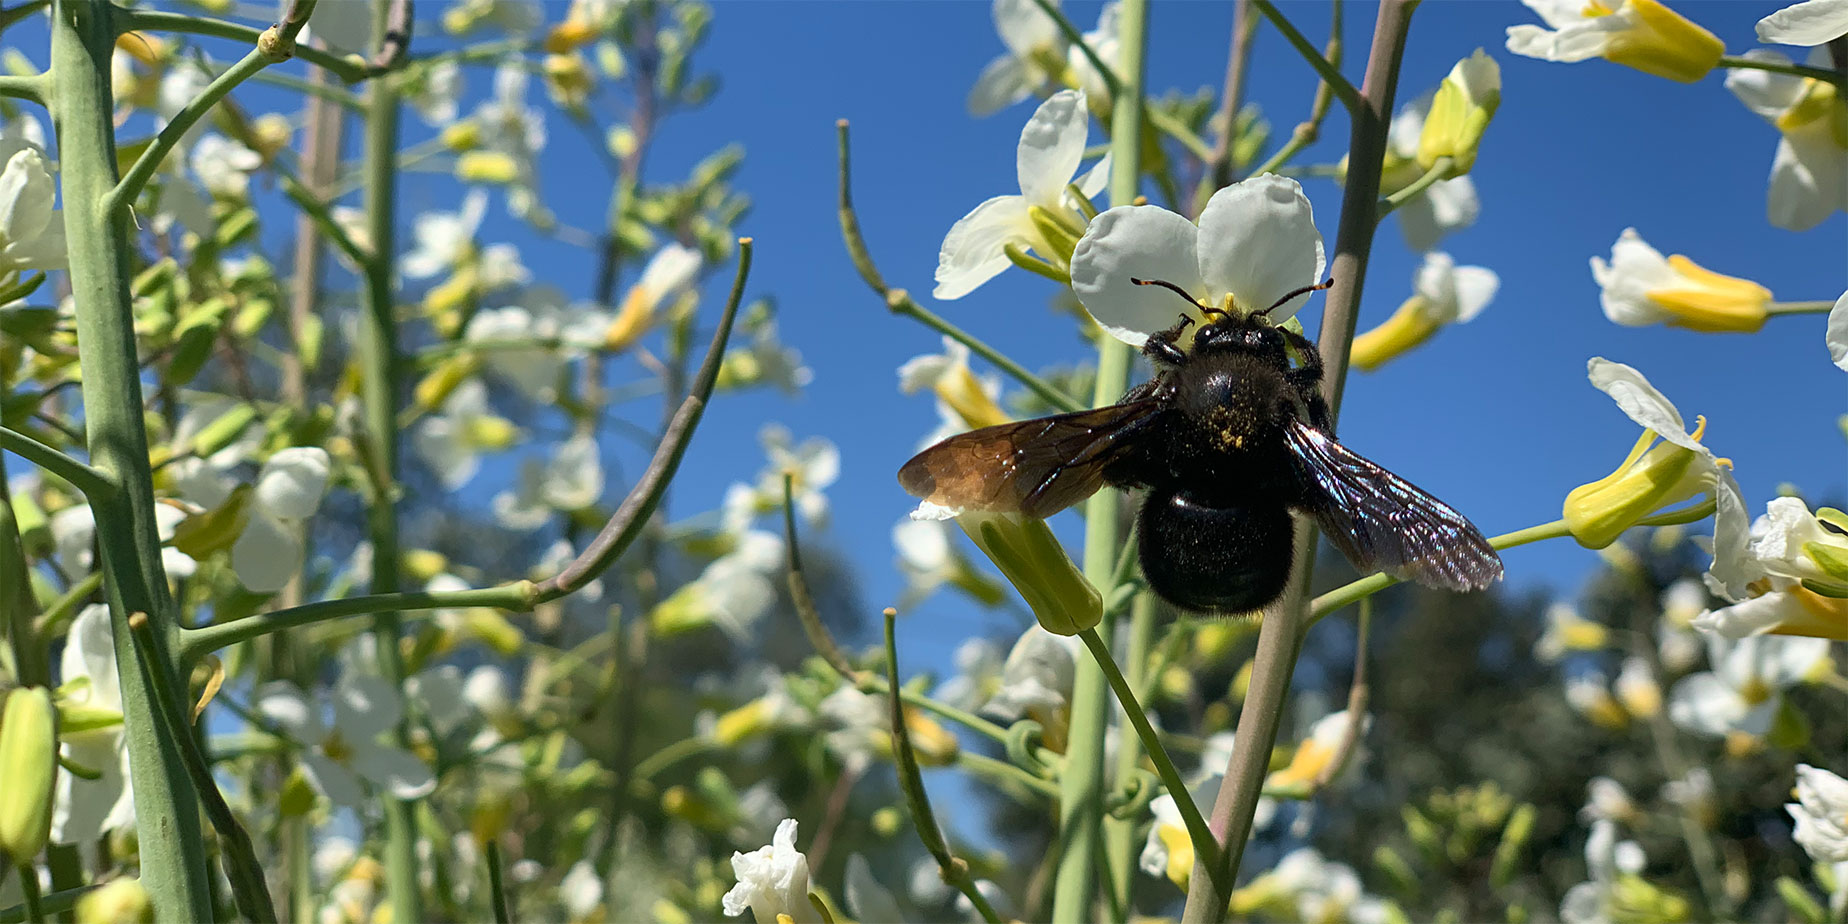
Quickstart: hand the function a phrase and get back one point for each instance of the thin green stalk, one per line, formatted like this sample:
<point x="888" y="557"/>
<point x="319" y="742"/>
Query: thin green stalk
<point x="1781" y="67"/>
<point x="680" y="750"/>
<point x="983" y="765"/>
<point x="1412" y="191"/>
<point x="29" y="890"/>
<point x="22" y="656"/>
<point x="147" y="20"/>
<point x="1285" y="622"/>
<point x="1120" y="833"/>
<point x="1350" y="98"/>
<point x="1082" y="785"/>
<point x="317" y="211"/>
<point x="93" y="482"/>
<point x="1076" y="38"/>
<point x="497" y="890"/>
<point x="49" y="903"/>
<point x="1816" y="307"/>
<point x="1197" y="830"/>
<point x="901" y="303"/>
<point x="381" y="367"/>
<point x="172" y="845"/>
<point x="196" y="643"/>
<point x="954" y="870"/>
<point x="30" y="87"/>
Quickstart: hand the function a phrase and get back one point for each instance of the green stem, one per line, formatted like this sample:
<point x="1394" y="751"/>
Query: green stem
<point x="22" y="656"/>
<point x="1285" y="623"/>
<point x="196" y="643"/>
<point x="1002" y="770"/>
<point x="1417" y="187"/>
<point x="1082" y="784"/>
<point x="497" y="890"/>
<point x="93" y="482"/>
<point x="1120" y="833"/>
<point x="51" y="903"/>
<point x="175" y="130"/>
<point x="1776" y="67"/>
<point x="381" y="367"/>
<point x="29" y="890"/>
<point x="159" y="21"/>
<point x="173" y="847"/>
<point x="1816" y="307"/>
<point x="1350" y="98"/>
<point x="649" y="766"/>
<point x="904" y="305"/>
<point x="901" y="303"/>
<point x="30" y="87"/>
<point x="318" y="212"/>
<point x="923" y="820"/>
<point x="1205" y="845"/>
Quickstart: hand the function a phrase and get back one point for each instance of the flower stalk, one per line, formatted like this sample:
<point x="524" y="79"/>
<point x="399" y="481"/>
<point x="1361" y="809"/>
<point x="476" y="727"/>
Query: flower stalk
<point x="173" y="855"/>
<point x="1081" y="803"/>
<point x="1286" y="622"/>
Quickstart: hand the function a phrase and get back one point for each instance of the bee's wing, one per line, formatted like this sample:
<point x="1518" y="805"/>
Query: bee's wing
<point x="1036" y="467"/>
<point x="1383" y="522"/>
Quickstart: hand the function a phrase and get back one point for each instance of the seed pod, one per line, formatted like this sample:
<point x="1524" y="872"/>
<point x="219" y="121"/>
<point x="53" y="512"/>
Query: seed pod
<point x="29" y="765"/>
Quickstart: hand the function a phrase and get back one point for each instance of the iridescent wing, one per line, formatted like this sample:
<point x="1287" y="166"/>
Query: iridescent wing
<point x="1037" y="467"/>
<point x="1383" y="522"/>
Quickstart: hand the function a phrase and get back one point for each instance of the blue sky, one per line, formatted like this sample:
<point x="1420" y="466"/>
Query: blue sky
<point x="1496" y="417"/>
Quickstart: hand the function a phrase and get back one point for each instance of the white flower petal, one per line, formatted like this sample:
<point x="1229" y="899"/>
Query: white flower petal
<point x="1705" y="704"/>
<point x="1837" y="335"/>
<point x="1624" y="283"/>
<point x="339" y="784"/>
<point x="364" y="706"/>
<point x="1813" y="22"/>
<point x="1475" y="288"/>
<point x="89" y="651"/>
<point x="1640" y="401"/>
<point x="972" y="252"/>
<point x="267" y="553"/>
<point x="282" y="702"/>
<point x="1094" y="180"/>
<point x="1767" y="93"/>
<point x="1051" y="145"/>
<point x="394" y="770"/>
<point x="26" y="196"/>
<point x="292" y="482"/>
<point x="1143" y="242"/>
<point x="1258" y="241"/>
<point x="1005" y="81"/>
<point x="1807" y="180"/>
<point x="1024" y="28"/>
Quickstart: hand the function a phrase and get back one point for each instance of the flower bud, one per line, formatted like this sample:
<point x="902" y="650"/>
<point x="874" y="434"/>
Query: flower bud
<point x="1408" y="327"/>
<point x="119" y="901"/>
<point x="29" y="766"/>
<point x="487" y="167"/>
<point x="1032" y="559"/>
<point x="1664" y="43"/>
<point x="1464" y="104"/>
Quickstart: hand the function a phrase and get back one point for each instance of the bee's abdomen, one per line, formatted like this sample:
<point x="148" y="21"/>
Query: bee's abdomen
<point x="1230" y="559"/>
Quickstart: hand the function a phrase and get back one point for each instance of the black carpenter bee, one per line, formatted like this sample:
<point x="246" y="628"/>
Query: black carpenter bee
<point x="1227" y="438"/>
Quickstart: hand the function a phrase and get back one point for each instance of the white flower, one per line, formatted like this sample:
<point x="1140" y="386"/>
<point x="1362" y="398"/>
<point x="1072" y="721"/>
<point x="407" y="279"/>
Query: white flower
<point x="443" y="239"/>
<point x="1813" y="22"/>
<point x="1446" y="206"/>
<point x="451" y="442"/>
<point x="288" y="491"/>
<point x="670" y="272"/>
<point x="435" y="92"/>
<point x="337" y="759"/>
<point x="773" y="881"/>
<point x="1607" y="800"/>
<point x="1642" y="34"/>
<point x="512" y="135"/>
<point x="1442" y="293"/>
<point x="867" y="898"/>
<point x="581" y="890"/>
<point x="86" y="809"/>
<point x="1316" y="753"/>
<point x="1037" y="53"/>
<point x="965" y="401"/>
<point x="812" y="466"/>
<point x="1837" y="335"/>
<point x="571" y="479"/>
<point x="1605" y="860"/>
<point x="1772" y="570"/>
<point x="978" y="675"/>
<point x="1648" y="481"/>
<point x="734" y="592"/>
<point x="1821" y="814"/>
<point x="31" y="230"/>
<point x="1743" y="690"/>
<point x="1567" y="631"/>
<point x="1809" y="173"/>
<point x="1051" y="147"/>
<point x="1256" y="242"/>
<point x="528" y="361"/>
<point x="1036" y="683"/>
<point x="1637" y="688"/>
<point x="1641" y="287"/>
<point x="223" y="166"/>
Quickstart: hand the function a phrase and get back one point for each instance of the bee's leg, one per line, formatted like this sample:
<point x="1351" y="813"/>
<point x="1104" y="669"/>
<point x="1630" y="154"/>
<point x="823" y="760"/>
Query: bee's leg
<point x="1165" y="346"/>
<point x="1307" y="378"/>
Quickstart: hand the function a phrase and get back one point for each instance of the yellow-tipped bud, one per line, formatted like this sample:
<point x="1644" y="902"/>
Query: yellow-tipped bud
<point x="1032" y="559"/>
<point x="119" y="901"/>
<point x="1465" y="103"/>
<point x="1712" y="302"/>
<point x="436" y="385"/>
<point x="487" y="167"/>
<point x="29" y="767"/>
<point x="1648" y="480"/>
<point x="1408" y="328"/>
<point x="569" y="36"/>
<point x="461" y="136"/>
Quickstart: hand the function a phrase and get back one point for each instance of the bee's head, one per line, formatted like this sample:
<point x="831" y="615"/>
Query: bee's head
<point x="1251" y="330"/>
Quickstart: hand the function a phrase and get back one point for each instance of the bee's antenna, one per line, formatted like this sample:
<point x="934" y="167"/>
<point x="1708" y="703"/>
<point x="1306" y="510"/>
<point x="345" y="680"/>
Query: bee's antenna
<point x="1172" y="288"/>
<point x="1305" y="290"/>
